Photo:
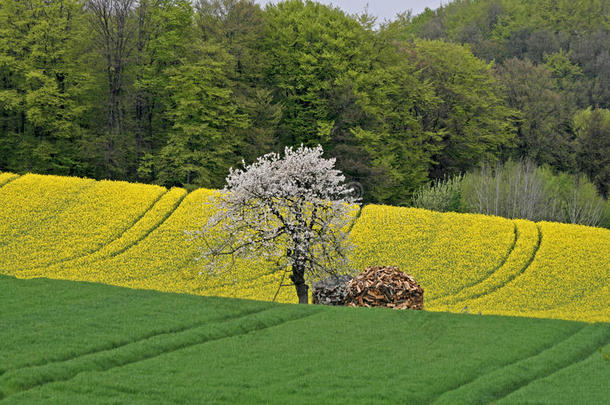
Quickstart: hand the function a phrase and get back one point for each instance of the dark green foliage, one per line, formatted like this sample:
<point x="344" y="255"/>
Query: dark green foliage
<point x="593" y="146"/>
<point x="472" y="120"/>
<point x="553" y="57"/>
<point x="542" y="118"/>
<point x="39" y="86"/>
<point x="98" y="343"/>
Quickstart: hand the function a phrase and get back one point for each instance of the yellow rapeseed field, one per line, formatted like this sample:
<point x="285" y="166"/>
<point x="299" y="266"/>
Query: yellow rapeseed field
<point x="30" y="204"/>
<point x="133" y="235"/>
<point x="519" y="258"/>
<point x="95" y="214"/>
<point x="165" y="260"/>
<point x="5" y="177"/>
<point x="568" y="278"/>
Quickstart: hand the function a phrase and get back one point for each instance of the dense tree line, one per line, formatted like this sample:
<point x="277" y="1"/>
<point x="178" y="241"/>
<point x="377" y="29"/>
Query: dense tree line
<point x="552" y="58"/>
<point x="175" y="92"/>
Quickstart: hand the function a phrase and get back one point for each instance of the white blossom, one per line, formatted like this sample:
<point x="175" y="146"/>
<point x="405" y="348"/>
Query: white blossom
<point x="292" y="211"/>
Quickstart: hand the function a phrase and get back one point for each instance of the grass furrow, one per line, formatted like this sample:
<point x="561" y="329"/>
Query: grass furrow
<point x="17" y="381"/>
<point x="118" y="345"/>
<point x="52" y="332"/>
<point x="503" y="381"/>
<point x="584" y="382"/>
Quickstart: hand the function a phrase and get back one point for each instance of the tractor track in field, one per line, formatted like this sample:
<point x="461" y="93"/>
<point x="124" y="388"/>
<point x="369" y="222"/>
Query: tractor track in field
<point x="486" y="276"/>
<point x="129" y="246"/>
<point x="582" y="354"/>
<point x="125" y="230"/>
<point x="497" y="287"/>
<point x="153" y="228"/>
<point x="115" y="358"/>
<point x="179" y="329"/>
<point x="582" y="357"/>
<point x="10" y="180"/>
<point x="518" y="274"/>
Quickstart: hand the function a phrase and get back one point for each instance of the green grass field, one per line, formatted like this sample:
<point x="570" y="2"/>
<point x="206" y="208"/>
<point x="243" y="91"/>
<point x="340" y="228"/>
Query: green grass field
<point x="73" y="342"/>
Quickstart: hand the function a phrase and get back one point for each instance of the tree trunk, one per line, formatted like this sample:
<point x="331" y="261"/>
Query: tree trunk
<point x="302" y="293"/>
<point x="298" y="279"/>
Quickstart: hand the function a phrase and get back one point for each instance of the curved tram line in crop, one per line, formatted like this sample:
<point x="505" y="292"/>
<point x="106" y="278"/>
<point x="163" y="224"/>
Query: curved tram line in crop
<point x="521" y="256"/>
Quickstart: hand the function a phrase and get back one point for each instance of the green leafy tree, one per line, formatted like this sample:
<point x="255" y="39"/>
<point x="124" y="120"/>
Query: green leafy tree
<point x="471" y="116"/>
<point x="166" y="38"/>
<point x="395" y="133"/>
<point x="39" y="109"/>
<point x="310" y="48"/>
<point x="201" y="145"/>
<point x="113" y="27"/>
<point x="239" y="26"/>
<point x="543" y="124"/>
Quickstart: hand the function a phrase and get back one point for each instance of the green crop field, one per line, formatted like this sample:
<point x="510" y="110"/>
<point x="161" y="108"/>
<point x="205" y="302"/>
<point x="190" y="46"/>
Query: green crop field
<point x="73" y="342"/>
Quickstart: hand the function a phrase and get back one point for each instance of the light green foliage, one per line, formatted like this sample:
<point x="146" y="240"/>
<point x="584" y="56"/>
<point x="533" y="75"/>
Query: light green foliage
<point x="441" y="195"/>
<point x="394" y="99"/>
<point x="201" y="145"/>
<point x="238" y="27"/>
<point x="37" y="95"/>
<point x="311" y="48"/>
<point x="562" y="69"/>
<point x="165" y="39"/>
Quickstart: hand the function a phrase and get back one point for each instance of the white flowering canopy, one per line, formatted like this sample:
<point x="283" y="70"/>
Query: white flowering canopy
<point x="293" y="210"/>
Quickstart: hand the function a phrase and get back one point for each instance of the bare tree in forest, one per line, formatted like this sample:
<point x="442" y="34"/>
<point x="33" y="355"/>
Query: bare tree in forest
<point x="115" y="26"/>
<point x="292" y="210"/>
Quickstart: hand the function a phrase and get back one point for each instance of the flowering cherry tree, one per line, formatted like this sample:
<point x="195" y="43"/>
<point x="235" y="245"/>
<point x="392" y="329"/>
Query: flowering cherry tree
<point x="293" y="211"/>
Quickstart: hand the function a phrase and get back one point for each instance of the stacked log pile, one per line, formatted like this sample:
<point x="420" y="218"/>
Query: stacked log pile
<point x="330" y="291"/>
<point x="384" y="287"/>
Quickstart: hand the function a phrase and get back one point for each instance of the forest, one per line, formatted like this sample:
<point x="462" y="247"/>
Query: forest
<point x="175" y="92"/>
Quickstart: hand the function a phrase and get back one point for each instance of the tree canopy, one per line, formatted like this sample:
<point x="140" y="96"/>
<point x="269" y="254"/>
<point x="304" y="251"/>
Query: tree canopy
<point x="291" y="210"/>
<point x="175" y="92"/>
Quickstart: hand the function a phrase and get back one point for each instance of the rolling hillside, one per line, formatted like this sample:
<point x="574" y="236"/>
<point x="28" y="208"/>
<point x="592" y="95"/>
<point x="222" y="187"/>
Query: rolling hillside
<point x="132" y="235"/>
